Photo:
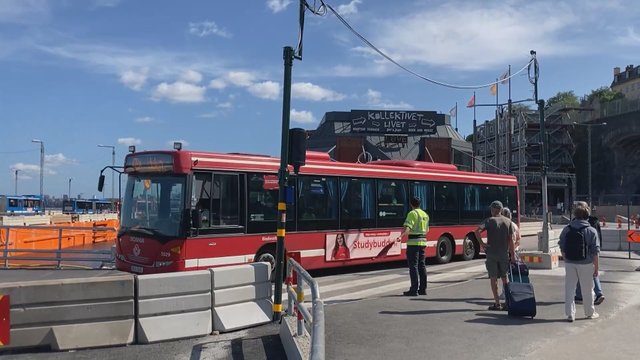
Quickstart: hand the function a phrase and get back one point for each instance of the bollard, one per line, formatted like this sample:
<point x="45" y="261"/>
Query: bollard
<point x="604" y="221"/>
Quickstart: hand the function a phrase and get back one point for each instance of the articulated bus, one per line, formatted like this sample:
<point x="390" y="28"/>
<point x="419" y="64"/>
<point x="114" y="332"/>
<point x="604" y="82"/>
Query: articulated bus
<point x="187" y="210"/>
<point x="87" y="206"/>
<point x="20" y="204"/>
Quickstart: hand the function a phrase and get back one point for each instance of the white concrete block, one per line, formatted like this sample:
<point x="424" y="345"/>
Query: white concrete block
<point x="243" y="315"/>
<point x="230" y="276"/>
<point x="175" y="326"/>
<point x="176" y="283"/>
<point x="228" y="296"/>
<point x="174" y="304"/>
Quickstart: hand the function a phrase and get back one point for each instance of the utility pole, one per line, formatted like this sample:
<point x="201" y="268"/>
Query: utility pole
<point x="113" y="163"/>
<point x="41" y="171"/>
<point x="70" y="188"/>
<point x="17" y="181"/>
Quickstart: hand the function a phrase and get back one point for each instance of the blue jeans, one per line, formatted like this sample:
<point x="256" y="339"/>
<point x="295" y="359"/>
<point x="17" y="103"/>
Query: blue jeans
<point x="597" y="288"/>
<point x="417" y="268"/>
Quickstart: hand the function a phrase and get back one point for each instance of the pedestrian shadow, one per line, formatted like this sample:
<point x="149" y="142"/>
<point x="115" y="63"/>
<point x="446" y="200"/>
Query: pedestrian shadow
<point x="475" y="301"/>
<point x="502" y="318"/>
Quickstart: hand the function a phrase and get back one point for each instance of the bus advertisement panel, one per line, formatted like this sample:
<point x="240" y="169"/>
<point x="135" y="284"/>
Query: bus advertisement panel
<point x="186" y="210"/>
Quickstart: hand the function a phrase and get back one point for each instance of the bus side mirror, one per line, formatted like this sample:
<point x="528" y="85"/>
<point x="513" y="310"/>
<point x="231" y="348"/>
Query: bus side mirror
<point x="101" y="183"/>
<point x="196" y="221"/>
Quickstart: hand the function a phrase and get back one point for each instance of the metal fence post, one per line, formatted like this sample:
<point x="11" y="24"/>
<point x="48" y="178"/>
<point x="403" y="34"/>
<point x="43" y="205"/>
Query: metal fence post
<point x="300" y="300"/>
<point x="59" y="252"/>
<point x="6" y="249"/>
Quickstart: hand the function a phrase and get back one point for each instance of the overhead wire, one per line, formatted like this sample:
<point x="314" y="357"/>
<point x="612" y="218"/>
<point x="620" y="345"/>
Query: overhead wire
<point x="321" y="10"/>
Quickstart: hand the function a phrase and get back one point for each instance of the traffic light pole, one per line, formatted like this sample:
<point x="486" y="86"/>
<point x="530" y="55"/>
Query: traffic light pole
<point x="283" y="174"/>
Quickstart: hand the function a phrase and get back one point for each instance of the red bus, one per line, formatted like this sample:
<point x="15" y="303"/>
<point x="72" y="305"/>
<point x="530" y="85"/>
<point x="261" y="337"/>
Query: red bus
<point x="339" y="213"/>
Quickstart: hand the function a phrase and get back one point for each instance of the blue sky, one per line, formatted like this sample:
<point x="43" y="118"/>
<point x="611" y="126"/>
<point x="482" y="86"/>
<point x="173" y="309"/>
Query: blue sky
<point x="78" y="73"/>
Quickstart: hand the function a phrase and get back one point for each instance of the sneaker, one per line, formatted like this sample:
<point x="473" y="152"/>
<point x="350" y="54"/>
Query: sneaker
<point x="577" y="301"/>
<point x="594" y="316"/>
<point x="495" y="307"/>
<point x="570" y="319"/>
<point x="410" y="293"/>
<point x="598" y="300"/>
<point x="422" y="292"/>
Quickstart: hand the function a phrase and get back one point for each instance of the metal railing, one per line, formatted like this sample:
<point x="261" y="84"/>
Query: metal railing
<point x="59" y="254"/>
<point x="296" y="306"/>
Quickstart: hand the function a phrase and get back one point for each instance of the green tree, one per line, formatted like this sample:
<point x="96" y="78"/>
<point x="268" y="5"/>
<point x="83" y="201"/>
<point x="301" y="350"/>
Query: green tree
<point x="469" y="138"/>
<point x="566" y="98"/>
<point x="604" y="94"/>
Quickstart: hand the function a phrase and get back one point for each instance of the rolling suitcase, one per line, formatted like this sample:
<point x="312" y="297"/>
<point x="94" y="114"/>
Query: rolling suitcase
<point x="520" y="298"/>
<point x="521" y="268"/>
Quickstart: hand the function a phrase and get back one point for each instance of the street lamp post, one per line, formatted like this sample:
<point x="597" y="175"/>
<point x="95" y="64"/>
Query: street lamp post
<point x="17" y="181"/>
<point x="589" y="126"/>
<point x="41" y="170"/>
<point x="113" y="163"/>
<point x="70" y="188"/>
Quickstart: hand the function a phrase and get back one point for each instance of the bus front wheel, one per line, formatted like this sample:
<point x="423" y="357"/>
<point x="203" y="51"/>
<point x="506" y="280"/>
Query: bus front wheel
<point x="469" y="249"/>
<point x="444" y="250"/>
<point x="268" y="254"/>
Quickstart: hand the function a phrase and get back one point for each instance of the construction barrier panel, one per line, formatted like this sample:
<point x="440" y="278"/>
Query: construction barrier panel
<point x="241" y="296"/>
<point x="173" y="306"/>
<point x="69" y="310"/>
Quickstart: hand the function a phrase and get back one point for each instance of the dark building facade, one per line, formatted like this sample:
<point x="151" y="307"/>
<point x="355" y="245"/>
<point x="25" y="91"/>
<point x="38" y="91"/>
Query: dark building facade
<point x="368" y="135"/>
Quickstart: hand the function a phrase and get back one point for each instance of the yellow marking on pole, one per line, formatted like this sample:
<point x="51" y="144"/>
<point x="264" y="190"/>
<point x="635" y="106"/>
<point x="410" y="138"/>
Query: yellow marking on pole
<point x="281" y="232"/>
<point x="282" y="206"/>
<point x="277" y="308"/>
<point x="301" y="297"/>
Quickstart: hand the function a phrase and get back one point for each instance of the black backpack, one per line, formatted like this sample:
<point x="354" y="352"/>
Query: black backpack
<point x="575" y="244"/>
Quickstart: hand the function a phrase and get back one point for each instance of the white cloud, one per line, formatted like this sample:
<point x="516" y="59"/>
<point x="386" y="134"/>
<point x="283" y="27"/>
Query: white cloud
<point x="24" y="11"/>
<point x="51" y="163"/>
<point x="225" y="105"/>
<point x="179" y="92"/>
<point x="630" y="38"/>
<point x="265" y="90"/>
<point x="191" y="76"/>
<point x="184" y="142"/>
<point x="278" y="5"/>
<point x="309" y="91"/>
<point x="374" y="99"/>
<point x="239" y="78"/>
<point x="24" y="170"/>
<point x="207" y="28"/>
<point x="209" y="115"/>
<point x="477" y="35"/>
<point x="134" y="80"/>
<point x="350" y="8"/>
<point x="128" y="141"/>
<point x="217" y="84"/>
<point x="303" y="116"/>
<point x="105" y="3"/>
<point x="145" y="119"/>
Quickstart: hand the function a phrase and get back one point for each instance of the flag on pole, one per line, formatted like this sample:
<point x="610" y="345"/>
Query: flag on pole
<point x="494" y="89"/>
<point x="505" y="77"/>
<point x="472" y="101"/>
<point x="453" y="112"/>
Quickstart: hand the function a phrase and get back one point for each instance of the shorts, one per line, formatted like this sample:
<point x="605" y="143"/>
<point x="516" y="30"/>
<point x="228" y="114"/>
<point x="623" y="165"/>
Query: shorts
<point x="497" y="268"/>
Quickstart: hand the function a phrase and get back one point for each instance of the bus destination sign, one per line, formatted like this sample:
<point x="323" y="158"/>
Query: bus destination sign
<point x="148" y="163"/>
<point x="395" y="122"/>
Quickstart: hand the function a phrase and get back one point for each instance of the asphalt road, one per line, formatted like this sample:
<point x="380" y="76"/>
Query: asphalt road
<point x="367" y="319"/>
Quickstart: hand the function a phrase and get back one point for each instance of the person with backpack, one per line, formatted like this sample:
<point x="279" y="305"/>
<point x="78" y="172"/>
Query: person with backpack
<point x="597" y="287"/>
<point x="580" y="250"/>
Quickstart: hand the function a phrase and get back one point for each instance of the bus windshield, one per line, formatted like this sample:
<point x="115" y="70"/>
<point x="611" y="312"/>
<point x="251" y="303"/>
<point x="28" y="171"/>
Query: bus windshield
<point x="153" y="206"/>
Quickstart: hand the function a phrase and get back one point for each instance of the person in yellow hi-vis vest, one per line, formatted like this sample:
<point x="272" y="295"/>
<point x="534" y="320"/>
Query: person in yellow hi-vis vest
<point x="416" y="226"/>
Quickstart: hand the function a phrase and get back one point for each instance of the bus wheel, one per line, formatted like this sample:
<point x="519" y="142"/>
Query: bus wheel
<point x="468" y="249"/>
<point x="268" y="254"/>
<point x="444" y="250"/>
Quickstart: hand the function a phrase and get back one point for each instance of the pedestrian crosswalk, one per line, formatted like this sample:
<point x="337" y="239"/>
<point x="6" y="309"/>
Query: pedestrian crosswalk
<point x="350" y="287"/>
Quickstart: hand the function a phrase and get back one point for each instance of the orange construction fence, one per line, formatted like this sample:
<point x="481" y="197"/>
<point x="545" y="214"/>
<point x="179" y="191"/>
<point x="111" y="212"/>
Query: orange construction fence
<point x="33" y="238"/>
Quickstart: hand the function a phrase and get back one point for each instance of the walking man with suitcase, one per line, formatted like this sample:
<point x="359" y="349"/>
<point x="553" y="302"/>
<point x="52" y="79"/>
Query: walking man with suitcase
<point x="499" y="248"/>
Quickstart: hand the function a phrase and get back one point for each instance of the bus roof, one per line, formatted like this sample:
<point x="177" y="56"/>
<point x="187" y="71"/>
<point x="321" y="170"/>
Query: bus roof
<point x="319" y="163"/>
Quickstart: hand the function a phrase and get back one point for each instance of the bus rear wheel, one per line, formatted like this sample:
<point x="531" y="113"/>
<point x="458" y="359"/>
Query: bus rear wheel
<point x="268" y="254"/>
<point x="469" y="249"/>
<point x="444" y="250"/>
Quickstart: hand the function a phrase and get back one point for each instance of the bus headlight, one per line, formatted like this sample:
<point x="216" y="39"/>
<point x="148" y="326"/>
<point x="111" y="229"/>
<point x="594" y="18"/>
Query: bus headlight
<point x="162" y="263"/>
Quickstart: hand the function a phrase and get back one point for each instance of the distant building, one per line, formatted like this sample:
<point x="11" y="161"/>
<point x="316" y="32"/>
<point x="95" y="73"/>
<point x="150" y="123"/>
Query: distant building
<point x="627" y="82"/>
<point x="368" y="135"/>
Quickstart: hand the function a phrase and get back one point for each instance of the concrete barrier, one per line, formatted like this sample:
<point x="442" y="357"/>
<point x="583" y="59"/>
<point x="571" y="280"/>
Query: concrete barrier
<point x="241" y="296"/>
<point x="616" y="240"/>
<point x="69" y="310"/>
<point x="173" y="306"/>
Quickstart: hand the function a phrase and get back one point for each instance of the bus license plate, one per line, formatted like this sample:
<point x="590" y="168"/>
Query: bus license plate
<point x="136" y="269"/>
